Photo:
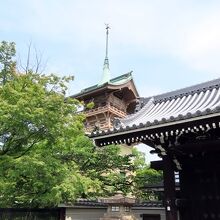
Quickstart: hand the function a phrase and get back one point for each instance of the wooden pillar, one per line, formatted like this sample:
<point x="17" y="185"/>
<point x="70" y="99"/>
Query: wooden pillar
<point x="169" y="189"/>
<point x="62" y="213"/>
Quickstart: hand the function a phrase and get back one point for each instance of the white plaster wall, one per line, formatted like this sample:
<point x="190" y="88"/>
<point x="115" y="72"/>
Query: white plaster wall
<point x="74" y="213"/>
<point x="84" y="213"/>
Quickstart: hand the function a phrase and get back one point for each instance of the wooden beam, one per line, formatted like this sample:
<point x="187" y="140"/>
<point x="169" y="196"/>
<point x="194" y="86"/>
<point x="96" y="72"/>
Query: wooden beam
<point x="62" y="213"/>
<point x="157" y="165"/>
<point x="169" y="189"/>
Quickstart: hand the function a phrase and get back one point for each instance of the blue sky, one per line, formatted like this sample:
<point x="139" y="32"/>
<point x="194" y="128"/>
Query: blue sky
<point x="168" y="44"/>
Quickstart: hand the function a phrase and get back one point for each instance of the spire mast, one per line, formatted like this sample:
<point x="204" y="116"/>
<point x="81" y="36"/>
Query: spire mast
<point x="106" y="71"/>
<point x="106" y="46"/>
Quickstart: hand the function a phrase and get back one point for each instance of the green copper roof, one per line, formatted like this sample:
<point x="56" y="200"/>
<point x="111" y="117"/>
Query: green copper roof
<point x="120" y="80"/>
<point x="106" y="75"/>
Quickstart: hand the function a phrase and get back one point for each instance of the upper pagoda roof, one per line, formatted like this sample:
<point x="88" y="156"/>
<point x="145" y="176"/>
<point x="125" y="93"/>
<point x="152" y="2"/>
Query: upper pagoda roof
<point x="188" y="104"/>
<point x="112" y="83"/>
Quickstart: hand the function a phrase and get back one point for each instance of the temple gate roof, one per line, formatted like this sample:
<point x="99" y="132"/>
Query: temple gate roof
<point x="193" y="103"/>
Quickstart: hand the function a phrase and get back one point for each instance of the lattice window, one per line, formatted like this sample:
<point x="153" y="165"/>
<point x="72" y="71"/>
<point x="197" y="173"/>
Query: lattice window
<point x="115" y="208"/>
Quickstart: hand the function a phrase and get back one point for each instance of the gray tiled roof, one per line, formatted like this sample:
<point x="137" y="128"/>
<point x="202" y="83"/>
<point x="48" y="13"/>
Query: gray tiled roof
<point x="149" y="204"/>
<point x="98" y="203"/>
<point x="191" y="102"/>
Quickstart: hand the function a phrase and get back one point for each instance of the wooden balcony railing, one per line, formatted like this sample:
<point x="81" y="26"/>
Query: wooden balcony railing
<point x="106" y="108"/>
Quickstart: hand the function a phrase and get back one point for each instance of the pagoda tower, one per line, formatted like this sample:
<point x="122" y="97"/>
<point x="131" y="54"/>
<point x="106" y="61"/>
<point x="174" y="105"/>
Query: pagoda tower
<point x="112" y="97"/>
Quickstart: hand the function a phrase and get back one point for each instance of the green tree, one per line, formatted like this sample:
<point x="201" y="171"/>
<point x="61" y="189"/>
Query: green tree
<point x="7" y="63"/>
<point x="144" y="177"/>
<point x="38" y="124"/>
<point x="45" y="157"/>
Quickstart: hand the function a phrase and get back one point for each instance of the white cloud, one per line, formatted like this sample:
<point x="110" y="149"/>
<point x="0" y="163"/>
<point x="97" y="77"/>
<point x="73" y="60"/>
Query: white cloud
<point x="201" y="48"/>
<point x="184" y="30"/>
<point x="146" y="150"/>
<point x="147" y="91"/>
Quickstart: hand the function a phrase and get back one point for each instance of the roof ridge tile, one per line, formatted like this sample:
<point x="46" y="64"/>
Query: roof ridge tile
<point x="189" y="90"/>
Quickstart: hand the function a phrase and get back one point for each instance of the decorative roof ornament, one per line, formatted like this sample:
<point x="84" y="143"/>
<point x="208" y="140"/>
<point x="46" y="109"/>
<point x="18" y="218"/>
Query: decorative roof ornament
<point x="106" y="71"/>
